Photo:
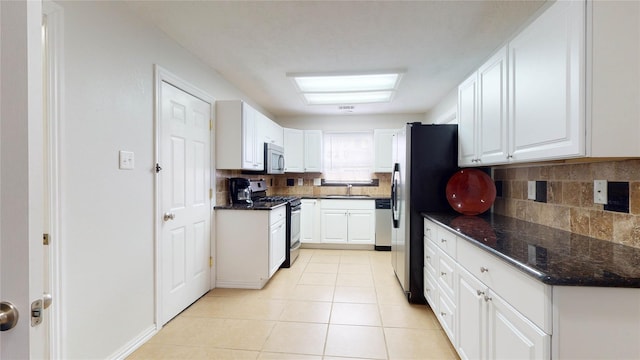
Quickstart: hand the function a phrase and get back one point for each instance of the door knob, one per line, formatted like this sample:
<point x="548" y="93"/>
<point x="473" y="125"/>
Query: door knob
<point x="8" y="316"/>
<point x="47" y="299"/>
<point x="169" y="216"/>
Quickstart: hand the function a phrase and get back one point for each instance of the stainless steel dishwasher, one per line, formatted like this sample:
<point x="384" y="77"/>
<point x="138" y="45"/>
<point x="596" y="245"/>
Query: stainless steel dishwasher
<point x="383" y="224"/>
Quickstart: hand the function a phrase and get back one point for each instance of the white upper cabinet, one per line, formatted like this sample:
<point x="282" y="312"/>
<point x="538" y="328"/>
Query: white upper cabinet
<point x="312" y="150"/>
<point x="569" y="86"/>
<point x="270" y="131"/>
<point x="467" y="121"/>
<point x="293" y="150"/>
<point x="382" y="142"/>
<point x="238" y="142"/>
<point x="546" y="85"/>
<point x="492" y="110"/>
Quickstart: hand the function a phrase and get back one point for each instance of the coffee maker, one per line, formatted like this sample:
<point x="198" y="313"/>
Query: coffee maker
<point x="240" y="191"/>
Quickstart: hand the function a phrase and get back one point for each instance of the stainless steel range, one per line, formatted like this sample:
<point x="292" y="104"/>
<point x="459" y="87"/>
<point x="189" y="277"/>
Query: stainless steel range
<point x="294" y="209"/>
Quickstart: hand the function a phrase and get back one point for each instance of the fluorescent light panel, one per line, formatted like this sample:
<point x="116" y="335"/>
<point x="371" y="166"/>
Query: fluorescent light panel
<point x="371" y="82"/>
<point x="360" y="88"/>
<point x="348" y="97"/>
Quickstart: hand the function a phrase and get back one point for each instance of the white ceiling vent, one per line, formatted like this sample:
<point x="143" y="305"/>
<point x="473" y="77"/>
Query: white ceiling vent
<point x="346" y="108"/>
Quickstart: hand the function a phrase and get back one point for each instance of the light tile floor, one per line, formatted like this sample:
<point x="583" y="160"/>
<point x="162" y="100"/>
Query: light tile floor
<point x="331" y="304"/>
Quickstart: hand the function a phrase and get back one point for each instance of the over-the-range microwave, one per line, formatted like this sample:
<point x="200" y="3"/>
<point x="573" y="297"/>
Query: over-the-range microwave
<point x="273" y="159"/>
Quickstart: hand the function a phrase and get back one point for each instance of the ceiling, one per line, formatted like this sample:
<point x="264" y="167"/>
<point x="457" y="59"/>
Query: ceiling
<point x="254" y="44"/>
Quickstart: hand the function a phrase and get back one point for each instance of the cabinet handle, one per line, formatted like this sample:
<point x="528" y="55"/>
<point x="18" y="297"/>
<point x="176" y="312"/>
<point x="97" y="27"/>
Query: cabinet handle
<point x="443" y="240"/>
<point x="443" y="274"/>
<point x="487" y="299"/>
<point x="483" y="269"/>
<point x="428" y="257"/>
<point x="509" y="156"/>
<point x="443" y="313"/>
<point x="480" y="292"/>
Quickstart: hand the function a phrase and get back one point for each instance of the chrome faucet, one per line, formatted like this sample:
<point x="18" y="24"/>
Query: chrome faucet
<point x="349" y="186"/>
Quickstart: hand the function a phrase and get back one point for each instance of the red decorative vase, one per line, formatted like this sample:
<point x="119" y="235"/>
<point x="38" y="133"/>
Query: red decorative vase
<point x="471" y="192"/>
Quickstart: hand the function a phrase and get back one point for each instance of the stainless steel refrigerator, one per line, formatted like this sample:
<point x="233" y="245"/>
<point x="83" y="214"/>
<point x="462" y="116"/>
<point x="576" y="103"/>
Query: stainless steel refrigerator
<point x="425" y="157"/>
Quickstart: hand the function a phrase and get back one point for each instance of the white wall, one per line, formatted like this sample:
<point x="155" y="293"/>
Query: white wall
<point x="107" y="230"/>
<point x="445" y="111"/>
<point x="348" y="122"/>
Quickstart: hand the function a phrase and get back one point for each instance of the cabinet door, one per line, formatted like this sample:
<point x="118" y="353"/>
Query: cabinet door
<point x="546" y="85"/>
<point x="467" y="122"/>
<point x="293" y="150"/>
<point x="308" y="221"/>
<point x="334" y="226"/>
<point x="313" y="151"/>
<point x="492" y="110"/>
<point x="277" y="246"/>
<point x="382" y="142"/>
<point x="511" y="335"/>
<point x="361" y="227"/>
<point x="249" y="133"/>
<point x="471" y="316"/>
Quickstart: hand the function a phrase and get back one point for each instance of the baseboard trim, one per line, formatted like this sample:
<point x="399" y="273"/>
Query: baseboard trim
<point x="134" y="344"/>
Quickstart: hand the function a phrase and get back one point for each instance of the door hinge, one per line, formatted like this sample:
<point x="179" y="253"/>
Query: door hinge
<point x="158" y="168"/>
<point x="210" y="193"/>
<point x="210" y="261"/>
<point x="210" y="125"/>
<point x="45" y="239"/>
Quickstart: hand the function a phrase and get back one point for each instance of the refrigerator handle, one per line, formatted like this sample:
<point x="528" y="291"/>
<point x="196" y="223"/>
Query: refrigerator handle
<point x="394" y="196"/>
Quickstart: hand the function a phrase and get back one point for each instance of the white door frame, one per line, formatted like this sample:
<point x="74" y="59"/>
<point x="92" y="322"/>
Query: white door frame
<point x="163" y="75"/>
<point x="21" y="166"/>
<point x="54" y="96"/>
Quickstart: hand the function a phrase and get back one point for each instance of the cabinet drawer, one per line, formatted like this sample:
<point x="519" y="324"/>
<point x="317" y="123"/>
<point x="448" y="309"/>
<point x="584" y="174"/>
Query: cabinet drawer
<point x="447" y="316"/>
<point x="430" y="230"/>
<point x="446" y="274"/>
<point x="431" y="291"/>
<point x="430" y="257"/>
<point x="529" y="296"/>
<point x="446" y="241"/>
<point x="277" y="214"/>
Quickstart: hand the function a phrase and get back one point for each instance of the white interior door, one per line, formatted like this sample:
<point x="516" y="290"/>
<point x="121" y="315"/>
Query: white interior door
<point x="185" y="156"/>
<point x="21" y="165"/>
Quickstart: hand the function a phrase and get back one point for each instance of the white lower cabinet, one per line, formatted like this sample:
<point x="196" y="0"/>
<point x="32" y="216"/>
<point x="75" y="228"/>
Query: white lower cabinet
<point x="310" y="221"/>
<point x="247" y="256"/>
<point x="511" y="335"/>
<point x="490" y="328"/>
<point x="277" y="242"/>
<point x="335" y="226"/>
<point x="478" y="320"/>
<point x="500" y="312"/>
<point x="347" y="221"/>
<point x="472" y="316"/>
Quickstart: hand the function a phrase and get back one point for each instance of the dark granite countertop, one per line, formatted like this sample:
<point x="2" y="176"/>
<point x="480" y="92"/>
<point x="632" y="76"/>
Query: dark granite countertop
<point x="256" y="206"/>
<point x="553" y="256"/>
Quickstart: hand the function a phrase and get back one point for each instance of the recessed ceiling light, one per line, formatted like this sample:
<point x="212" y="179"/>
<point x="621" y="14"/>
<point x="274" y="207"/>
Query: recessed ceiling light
<point x="355" y="88"/>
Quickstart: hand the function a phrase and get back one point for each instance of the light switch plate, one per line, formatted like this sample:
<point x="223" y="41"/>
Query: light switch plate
<point x="531" y="190"/>
<point x="600" y="192"/>
<point x="317" y="182"/>
<point x="126" y="160"/>
<point x="300" y="181"/>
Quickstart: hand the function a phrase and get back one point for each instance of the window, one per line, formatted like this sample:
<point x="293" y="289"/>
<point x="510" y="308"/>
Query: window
<point x="348" y="156"/>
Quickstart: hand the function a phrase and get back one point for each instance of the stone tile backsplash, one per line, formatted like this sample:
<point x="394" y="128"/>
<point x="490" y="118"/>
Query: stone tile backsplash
<point x="277" y="185"/>
<point x="569" y="198"/>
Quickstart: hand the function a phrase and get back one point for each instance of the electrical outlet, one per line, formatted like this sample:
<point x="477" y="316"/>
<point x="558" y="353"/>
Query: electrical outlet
<point x="531" y="190"/>
<point x="600" y="192"/>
